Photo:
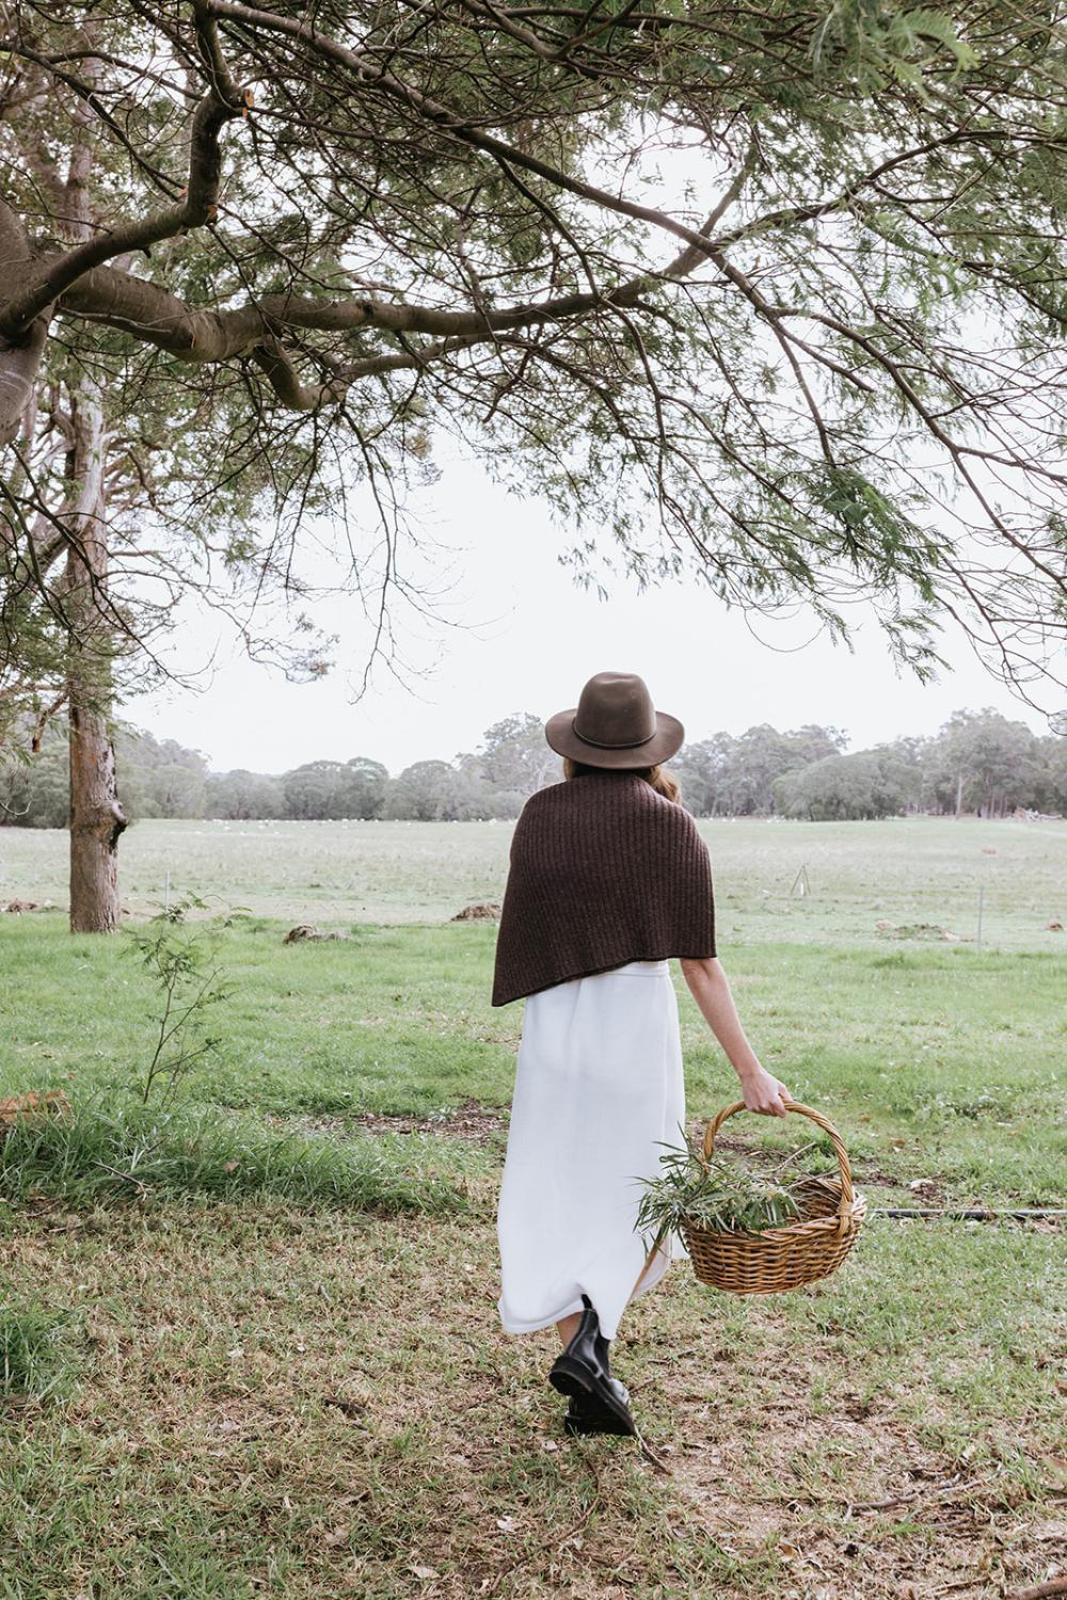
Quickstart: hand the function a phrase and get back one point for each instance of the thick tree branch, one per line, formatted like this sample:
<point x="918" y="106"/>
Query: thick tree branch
<point x="158" y="317"/>
<point x="53" y="274"/>
<point x="124" y="301"/>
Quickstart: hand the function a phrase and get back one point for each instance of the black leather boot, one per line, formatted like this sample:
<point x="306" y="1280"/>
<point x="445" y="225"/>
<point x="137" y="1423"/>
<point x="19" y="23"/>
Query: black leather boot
<point x="599" y="1341"/>
<point x="589" y="1327"/>
<point x="581" y="1371"/>
<point x="585" y="1415"/>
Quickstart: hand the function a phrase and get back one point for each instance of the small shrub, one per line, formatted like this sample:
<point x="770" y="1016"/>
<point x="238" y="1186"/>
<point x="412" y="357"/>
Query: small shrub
<point x="180" y="962"/>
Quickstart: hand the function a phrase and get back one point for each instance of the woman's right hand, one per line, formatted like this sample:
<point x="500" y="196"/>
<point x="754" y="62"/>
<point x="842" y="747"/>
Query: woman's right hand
<point x="763" y="1093"/>
<point x="710" y="989"/>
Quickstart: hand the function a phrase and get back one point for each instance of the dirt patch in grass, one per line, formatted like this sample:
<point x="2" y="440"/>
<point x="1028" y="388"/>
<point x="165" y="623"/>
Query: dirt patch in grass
<point x="471" y="1120"/>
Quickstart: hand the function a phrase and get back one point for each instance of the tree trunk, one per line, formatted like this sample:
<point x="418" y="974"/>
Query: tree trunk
<point x="96" y="816"/>
<point x="96" y="821"/>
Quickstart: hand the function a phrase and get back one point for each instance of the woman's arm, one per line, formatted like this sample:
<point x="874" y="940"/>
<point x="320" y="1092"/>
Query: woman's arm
<point x="710" y="988"/>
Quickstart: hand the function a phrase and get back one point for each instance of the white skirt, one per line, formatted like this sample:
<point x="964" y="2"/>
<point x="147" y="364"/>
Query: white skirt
<point x="598" y="1089"/>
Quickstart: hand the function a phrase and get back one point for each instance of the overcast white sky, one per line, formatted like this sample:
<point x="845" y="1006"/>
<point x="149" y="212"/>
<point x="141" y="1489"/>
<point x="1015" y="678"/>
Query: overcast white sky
<point x="532" y="639"/>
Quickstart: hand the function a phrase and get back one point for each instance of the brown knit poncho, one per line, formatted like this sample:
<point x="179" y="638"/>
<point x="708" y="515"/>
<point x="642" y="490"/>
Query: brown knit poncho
<point x="603" y="871"/>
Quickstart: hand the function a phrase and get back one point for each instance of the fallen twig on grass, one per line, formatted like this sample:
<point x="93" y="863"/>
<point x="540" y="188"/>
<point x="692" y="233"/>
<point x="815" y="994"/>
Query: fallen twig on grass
<point x="1040" y="1591"/>
<point x="969" y="1214"/>
<point x="907" y="1499"/>
<point x="656" y="1461"/>
<point x="126" y="1177"/>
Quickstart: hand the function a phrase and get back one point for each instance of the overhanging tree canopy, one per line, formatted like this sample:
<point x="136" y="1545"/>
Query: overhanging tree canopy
<point x="775" y="295"/>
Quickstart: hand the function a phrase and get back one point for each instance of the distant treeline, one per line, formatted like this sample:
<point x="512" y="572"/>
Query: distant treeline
<point x="979" y="762"/>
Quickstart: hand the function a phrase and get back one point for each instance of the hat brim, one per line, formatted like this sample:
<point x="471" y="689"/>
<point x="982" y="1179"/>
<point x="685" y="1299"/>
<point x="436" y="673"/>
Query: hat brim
<point x="667" y="739"/>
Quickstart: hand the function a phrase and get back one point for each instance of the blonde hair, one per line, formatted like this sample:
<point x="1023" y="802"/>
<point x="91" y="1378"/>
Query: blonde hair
<point x="662" y="781"/>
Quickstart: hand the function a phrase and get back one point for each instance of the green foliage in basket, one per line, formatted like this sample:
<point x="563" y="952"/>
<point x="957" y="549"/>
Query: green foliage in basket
<point x="718" y="1195"/>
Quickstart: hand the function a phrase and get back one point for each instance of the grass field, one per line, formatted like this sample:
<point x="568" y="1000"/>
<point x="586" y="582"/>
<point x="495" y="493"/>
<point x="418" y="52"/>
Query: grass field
<point x="905" y="870"/>
<point x="251" y="1347"/>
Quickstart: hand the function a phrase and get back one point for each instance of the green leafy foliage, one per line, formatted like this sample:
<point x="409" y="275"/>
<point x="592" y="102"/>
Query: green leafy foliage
<point x="886" y="44"/>
<point x="805" y="409"/>
<point x="719" y="1195"/>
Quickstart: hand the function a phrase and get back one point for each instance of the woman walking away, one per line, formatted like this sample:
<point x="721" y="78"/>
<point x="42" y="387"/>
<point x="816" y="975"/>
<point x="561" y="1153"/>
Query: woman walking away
<point x="609" y="878"/>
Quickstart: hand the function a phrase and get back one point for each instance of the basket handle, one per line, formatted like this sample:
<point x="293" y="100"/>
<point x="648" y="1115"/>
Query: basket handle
<point x="844" y="1210"/>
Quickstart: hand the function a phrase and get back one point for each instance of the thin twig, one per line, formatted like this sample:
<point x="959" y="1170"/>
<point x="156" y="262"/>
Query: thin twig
<point x="971" y="1214"/>
<point x="1039" y="1591"/>
<point x="655" y="1461"/>
<point x="127" y="1177"/>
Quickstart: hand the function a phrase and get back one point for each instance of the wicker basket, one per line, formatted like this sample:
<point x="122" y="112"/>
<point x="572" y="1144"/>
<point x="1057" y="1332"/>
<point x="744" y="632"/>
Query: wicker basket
<point x="808" y="1247"/>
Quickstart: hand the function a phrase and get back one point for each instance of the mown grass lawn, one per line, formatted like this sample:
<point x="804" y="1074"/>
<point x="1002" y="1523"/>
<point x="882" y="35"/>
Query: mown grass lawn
<point x="239" y="1360"/>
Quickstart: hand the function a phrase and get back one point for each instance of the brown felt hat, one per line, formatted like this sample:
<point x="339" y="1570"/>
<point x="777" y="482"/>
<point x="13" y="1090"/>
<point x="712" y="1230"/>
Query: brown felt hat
<point x="615" y="724"/>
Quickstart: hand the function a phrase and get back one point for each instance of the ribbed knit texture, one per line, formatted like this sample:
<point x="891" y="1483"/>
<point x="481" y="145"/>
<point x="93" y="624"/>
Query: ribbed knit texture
<point x="603" y="871"/>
